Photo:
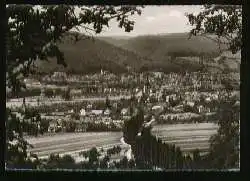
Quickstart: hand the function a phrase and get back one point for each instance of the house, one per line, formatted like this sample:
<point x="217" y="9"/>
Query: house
<point x="178" y="108"/>
<point x="126" y="117"/>
<point x="55" y="125"/>
<point x="158" y="74"/>
<point x="96" y="112"/>
<point x="208" y="99"/>
<point x="107" y="112"/>
<point x="201" y="109"/>
<point x="157" y="108"/>
<point x="115" y="105"/>
<point x="71" y="111"/>
<point x="189" y="103"/>
<point x="82" y="112"/>
<point x="59" y="75"/>
<point x="89" y="106"/>
<point x="167" y="98"/>
<point x="237" y="104"/>
<point x="124" y="111"/>
<point x="32" y="82"/>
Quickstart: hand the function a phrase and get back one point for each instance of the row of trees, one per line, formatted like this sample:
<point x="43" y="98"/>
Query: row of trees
<point x="92" y="161"/>
<point x="57" y="92"/>
<point x="102" y="127"/>
<point x="151" y="152"/>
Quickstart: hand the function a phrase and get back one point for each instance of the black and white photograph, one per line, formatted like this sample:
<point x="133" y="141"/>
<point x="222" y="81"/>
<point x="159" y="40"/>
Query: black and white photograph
<point x="124" y="88"/>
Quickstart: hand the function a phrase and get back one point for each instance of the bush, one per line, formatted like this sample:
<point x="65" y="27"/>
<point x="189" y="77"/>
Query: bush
<point x="188" y="108"/>
<point x="75" y="116"/>
<point x="70" y="126"/>
<point x="49" y="92"/>
<point x="44" y="125"/>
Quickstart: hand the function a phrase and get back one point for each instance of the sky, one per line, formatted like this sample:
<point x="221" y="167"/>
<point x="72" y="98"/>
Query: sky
<point x="156" y="20"/>
<point x="153" y="20"/>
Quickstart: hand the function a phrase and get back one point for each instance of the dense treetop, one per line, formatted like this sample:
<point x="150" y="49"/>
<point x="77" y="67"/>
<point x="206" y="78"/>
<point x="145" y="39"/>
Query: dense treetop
<point x="223" y="21"/>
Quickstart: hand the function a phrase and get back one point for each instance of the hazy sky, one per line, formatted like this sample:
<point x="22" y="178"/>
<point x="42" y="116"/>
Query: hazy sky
<point x="153" y="20"/>
<point x="156" y="20"/>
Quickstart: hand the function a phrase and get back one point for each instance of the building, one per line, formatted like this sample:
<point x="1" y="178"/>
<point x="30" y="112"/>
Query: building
<point x="107" y="112"/>
<point x="124" y="112"/>
<point x="96" y="112"/>
<point x="82" y="112"/>
<point x="60" y="75"/>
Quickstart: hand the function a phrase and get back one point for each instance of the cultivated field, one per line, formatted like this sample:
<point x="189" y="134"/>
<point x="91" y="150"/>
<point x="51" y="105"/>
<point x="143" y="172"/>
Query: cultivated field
<point x="73" y="143"/>
<point x="186" y="136"/>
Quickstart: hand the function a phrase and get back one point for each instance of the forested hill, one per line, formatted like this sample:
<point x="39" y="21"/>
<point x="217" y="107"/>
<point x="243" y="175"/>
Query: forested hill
<point x="142" y="53"/>
<point x="90" y="55"/>
<point x="158" y="47"/>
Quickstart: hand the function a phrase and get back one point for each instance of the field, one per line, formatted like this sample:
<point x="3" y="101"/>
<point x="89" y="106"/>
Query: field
<point x="73" y="143"/>
<point x="186" y="136"/>
<point x="19" y="102"/>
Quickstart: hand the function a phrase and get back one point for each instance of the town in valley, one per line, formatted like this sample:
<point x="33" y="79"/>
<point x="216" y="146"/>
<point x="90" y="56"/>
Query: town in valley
<point x="128" y="100"/>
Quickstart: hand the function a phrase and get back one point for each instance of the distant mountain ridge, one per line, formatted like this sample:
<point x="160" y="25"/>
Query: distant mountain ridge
<point x="162" y="45"/>
<point x="141" y="53"/>
<point x="88" y="56"/>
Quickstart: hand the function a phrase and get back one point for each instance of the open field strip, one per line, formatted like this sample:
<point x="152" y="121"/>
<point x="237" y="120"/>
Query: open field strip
<point x="187" y="141"/>
<point x="76" y="144"/>
<point x="67" y="143"/>
<point x="73" y="150"/>
<point x="187" y="136"/>
<point x="178" y="127"/>
<point x="169" y="138"/>
<point x="19" y="103"/>
<point x="70" y="137"/>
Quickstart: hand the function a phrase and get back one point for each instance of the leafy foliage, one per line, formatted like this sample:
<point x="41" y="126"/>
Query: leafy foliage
<point x="223" y="21"/>
<point x="32" y="34"/>
<point x="224" y="149"/>
<point x="132" y="127"/>
<point x="226" y="23"/>
<point x="114" y="150"/>
<point x="57" y="162"/>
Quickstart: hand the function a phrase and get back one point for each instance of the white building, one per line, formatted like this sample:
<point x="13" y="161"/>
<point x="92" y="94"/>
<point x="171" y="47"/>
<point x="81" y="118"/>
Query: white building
<point x="96" y="112"/>
<point x="83" y="112"/>
<point x="124" y="111"/>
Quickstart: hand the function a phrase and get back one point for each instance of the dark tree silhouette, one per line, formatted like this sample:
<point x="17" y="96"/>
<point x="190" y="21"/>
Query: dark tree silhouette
<point x="32" y="34"/>
<point x="225" y="22"/>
